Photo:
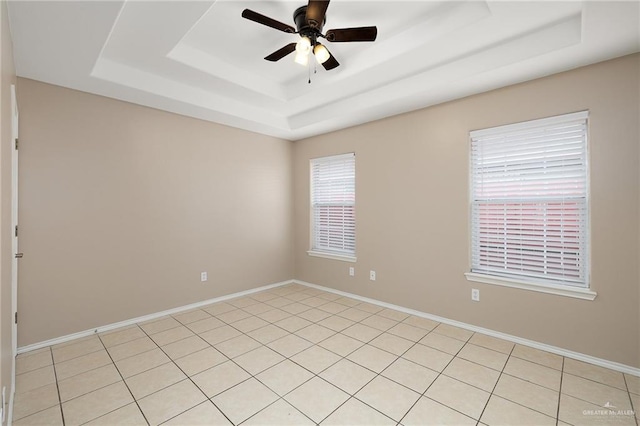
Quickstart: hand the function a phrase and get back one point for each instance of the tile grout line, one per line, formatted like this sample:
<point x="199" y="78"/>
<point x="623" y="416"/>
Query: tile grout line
<point x="55" y="375"/>
<point x="314" y="375"/>
<point x="124" y="382"/>
<point x="57" y="381"/>
<point x="208" y="343"/>
<point x="52" y="365"/>
<point x="187" y="378"/>
<point x="280" y="398"/>
<point x="71" y="359"/>
<point x="83" y="372"/>
<point x="286" y="358"/>
<point x="252" y="376"/>
<point x="291" y="315"/>
<point x="584" y="378"/>
<point x="416" y="342"/>
<point x="496" y="385"/>
<point x="151" y="338"/>
<point x="378" y="374"/>
<point x="599" y="383"/>
<point x="345" y="357"/>
<point x="520" y="404"/>
<point x="529" y="381"/>
<point x="318" y="344"/>
<point x="503" y="373"/>
<point x="230" y="324"/>
<point x="560" y="393"/>
<point x="440" y="373"/>
<point x="633" y="407"/>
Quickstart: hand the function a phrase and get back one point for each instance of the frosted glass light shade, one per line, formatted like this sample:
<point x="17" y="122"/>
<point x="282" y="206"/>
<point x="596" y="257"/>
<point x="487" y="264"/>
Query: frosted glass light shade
<point x="303" y="45"/>
<point x="302" y="58"/>
<point x="321" y="53"/>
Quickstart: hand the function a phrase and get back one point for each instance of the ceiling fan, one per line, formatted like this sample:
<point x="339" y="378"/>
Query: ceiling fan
<point x="309" y="21"/>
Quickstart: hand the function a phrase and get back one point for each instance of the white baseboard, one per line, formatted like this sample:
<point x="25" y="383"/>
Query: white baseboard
<point x="526" y="342"/>
<point x="109" y="327"/>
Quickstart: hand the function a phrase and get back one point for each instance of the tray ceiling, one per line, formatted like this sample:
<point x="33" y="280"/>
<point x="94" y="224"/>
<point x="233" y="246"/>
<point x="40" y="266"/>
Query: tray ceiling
<point x="201" y="59"/>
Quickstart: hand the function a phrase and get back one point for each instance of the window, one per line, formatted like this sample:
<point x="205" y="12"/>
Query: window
<point x="333" y="196"/>
<point x="529" y="209"/>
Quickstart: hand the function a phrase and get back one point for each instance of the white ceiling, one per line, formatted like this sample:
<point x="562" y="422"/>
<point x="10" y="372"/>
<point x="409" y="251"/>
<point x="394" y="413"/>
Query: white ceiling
<point x="202" y="59"/>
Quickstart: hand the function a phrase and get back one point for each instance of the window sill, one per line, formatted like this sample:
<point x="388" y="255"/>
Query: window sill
<point x="578" y="293"/>
<point x="333" y="256"/>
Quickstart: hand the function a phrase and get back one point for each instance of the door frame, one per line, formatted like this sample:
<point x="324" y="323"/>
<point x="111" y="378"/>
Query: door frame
<point x="14" y="245"/>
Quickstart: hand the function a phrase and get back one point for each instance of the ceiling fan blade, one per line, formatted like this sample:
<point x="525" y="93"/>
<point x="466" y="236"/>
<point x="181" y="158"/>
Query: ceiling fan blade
<point x="281" y="53"/>
<point x="265" y="20"/>
<point x="352" y="34"/>
<point x="330" y="63"/>
<point x="316" y="11"/>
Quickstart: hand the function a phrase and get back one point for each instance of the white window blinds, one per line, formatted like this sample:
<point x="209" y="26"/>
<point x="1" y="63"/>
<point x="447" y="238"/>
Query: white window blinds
<point x="529" y="213"/>
<point x="333" y="192"/>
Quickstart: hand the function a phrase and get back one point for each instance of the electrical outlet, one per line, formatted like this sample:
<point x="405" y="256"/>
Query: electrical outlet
<point x="372" y="275"/>
<point x="352" y="271"/>
<point x="203" y="276"/>
<point x="475" y="294"/>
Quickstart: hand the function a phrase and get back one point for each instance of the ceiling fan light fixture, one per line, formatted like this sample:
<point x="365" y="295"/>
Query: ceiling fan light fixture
<point x="302" y="58"/>
<point x="321" y="53"/>
<point x="310" y="20"/>
<point x="303" y="45"/>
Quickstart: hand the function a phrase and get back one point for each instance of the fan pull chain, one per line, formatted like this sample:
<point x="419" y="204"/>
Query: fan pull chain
<point x="315" y="69"/>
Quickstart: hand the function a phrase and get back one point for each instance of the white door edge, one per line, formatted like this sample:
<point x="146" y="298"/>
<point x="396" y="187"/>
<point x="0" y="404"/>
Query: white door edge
<point x="14" y="246"/>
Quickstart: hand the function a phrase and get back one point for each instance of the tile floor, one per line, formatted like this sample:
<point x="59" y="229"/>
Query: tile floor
<point x="295" y="356"/>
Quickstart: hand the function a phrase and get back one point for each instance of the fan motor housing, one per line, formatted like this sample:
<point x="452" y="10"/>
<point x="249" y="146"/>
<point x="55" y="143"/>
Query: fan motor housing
<point x="303" y="27"/>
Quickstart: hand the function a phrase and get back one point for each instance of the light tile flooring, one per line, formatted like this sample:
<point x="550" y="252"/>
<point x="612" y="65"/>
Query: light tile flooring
<point x="295" y="355"/>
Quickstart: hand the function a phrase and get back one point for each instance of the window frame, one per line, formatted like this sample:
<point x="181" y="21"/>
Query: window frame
<point x="345" y="256"/>
<point x="522" y="282"/>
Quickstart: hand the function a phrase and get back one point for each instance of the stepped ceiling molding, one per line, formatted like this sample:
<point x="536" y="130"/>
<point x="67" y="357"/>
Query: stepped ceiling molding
<point x="202" y="59"/>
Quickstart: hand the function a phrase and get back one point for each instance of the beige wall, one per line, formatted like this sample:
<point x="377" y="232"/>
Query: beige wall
<point x="7" y="78"/>
<point x="122" y="207"/>
<point x="412" y="211"/>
